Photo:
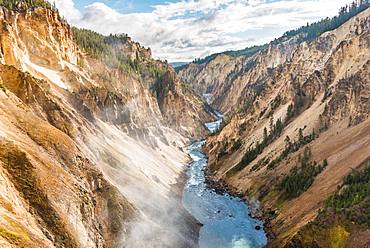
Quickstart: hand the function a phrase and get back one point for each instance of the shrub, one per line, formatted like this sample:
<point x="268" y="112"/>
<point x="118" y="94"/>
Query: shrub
<point x="355" y="188"/>
<point x="252" y="153"/>
<point x="21" y="5"/>
<point x="301" y="176"/>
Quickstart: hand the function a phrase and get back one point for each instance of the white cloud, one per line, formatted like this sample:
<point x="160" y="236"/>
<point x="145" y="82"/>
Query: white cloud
<point x="187" y="29"/>
<point x="67" y="9"/>
<point x="190" y="6"/>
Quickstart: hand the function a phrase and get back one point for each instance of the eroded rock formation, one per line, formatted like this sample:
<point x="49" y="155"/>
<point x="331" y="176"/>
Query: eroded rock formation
<point x="89" y="151"/>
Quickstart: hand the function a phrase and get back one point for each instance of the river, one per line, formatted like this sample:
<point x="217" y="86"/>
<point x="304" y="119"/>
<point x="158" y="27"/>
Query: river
<point x="226" y="221"/>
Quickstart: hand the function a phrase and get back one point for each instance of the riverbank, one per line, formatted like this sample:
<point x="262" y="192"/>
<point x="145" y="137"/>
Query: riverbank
<point x="257" y="211"/>
<point x="226" y="219"/>
<point x="191" y="226"/>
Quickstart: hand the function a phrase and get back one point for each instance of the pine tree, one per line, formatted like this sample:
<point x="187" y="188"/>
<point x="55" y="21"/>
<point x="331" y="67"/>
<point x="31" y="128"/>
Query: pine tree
<point x="288" y="143"/>
<point x="265" y="136"/>
<point x="300" y="136"/>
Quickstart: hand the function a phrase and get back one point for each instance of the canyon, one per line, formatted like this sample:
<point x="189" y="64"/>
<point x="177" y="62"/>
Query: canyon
<point x="293" y="101"/>
<point x="95" y="135"/>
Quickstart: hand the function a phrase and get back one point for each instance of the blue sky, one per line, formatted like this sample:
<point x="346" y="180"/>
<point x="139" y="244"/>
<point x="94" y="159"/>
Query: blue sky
<point x="181" y="30"/>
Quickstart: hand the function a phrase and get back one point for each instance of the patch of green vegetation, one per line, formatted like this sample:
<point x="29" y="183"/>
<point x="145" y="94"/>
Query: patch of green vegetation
<point x="305" y="33"/>
<point x="248" y="52"/>
<point x="236" y="145"/>
<point x="301" y="176"/>
<point x="262" y="162"/>
<point x="102" y="47"/>
<point x="248" y="103"/>
<point x="94" y="43"/>
<point x="162" y="86"/>
<point x="25" y="180"/>
<point x="312" y="31"/>
<point x="291" y="147"/>
<point x="355" y="188"/>
<point x="346" y="212"/>
<point x="319" y="234"/>
<point x="252" y="153"/>
<point x="21" y="5"/>
<point x="108" y="49"/>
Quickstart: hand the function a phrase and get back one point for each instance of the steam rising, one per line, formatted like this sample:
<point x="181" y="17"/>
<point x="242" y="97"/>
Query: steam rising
<point x="145" y="176"/>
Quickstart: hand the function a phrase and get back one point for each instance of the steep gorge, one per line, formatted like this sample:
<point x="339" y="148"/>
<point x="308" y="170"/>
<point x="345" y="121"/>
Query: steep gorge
<point x="92" y="130"/>
<point x="292" y="108"/>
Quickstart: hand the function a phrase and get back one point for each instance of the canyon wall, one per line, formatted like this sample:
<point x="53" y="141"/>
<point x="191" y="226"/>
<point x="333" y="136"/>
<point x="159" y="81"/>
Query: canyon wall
<point x="291" y="108"/>
<point x="90" y="146"/>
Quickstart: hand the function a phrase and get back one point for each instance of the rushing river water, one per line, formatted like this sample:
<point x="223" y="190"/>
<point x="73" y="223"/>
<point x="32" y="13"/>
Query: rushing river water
<point x="225" y="218"/>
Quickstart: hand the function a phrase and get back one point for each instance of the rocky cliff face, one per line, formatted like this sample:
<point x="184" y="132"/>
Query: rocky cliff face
<point x="293" y="108"/>
<point x="226" y="77"/>
<point x="210" y="78"/>
<point x="88" y="149"/>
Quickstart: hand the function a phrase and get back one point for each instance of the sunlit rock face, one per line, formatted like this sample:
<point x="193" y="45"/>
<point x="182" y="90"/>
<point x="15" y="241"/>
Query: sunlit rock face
<point x="89" y="152"/>
<point x="320" y="87"/>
